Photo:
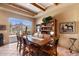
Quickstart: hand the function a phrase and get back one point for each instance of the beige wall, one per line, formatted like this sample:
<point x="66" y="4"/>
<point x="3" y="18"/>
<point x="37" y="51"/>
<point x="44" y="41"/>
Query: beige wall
<point x="3" y="21"/>
<point x="71" y="14"/>
<point x="4" y="16"/>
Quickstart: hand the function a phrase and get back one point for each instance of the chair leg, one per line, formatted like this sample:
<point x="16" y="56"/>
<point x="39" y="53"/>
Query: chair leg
<point x="23" y="54"/>
<point x="17" y="45"/>
<point x="20" y="46"/>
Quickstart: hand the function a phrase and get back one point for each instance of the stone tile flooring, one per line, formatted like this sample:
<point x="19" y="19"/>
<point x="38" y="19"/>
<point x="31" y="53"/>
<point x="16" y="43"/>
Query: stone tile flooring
<point x="11" y="50"/>
<point x="65" y="52"/>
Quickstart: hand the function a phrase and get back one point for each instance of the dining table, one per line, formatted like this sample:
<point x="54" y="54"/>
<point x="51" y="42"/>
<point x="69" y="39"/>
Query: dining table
<point x="41" y="44"/>
<point x="38" y="40"/>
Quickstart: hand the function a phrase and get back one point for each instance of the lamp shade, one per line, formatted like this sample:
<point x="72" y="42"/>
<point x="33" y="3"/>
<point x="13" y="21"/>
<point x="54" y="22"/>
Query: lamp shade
<point x="51" y="33"/>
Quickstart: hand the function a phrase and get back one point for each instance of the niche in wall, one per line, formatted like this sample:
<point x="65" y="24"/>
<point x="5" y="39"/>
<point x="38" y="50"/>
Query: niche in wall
<point x="2" y="27"/>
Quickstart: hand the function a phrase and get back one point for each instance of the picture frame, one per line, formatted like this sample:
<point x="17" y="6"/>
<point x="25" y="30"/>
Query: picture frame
<point x="67" y="27"/>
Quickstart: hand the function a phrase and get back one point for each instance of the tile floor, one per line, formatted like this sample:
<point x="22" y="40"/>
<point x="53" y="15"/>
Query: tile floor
<point x="66" y="52"/>
<point x="11" y="50"/>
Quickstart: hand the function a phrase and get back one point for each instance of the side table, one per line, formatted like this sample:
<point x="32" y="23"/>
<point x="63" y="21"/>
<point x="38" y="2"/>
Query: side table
<point x="72" y="40"/>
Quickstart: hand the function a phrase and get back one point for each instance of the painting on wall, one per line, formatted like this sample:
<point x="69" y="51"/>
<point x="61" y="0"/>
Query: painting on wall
<point x="67" y="27"/>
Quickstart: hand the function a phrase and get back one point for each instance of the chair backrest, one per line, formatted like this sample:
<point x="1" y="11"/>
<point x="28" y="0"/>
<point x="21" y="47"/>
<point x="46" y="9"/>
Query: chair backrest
<point x="19" y="39"/>
<point x="53" y="43"/>
<point x="56" y="41"/>
<point x="25" y="41"/>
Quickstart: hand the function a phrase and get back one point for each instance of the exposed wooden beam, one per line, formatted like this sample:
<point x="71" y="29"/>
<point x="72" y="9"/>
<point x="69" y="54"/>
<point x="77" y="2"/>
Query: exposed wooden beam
<point x="38" y="6"/>
<point x="22" y="9"/>
<point x="14" y="10"/>
<point x="56" y="3"/>
<point x="55" y="10"/>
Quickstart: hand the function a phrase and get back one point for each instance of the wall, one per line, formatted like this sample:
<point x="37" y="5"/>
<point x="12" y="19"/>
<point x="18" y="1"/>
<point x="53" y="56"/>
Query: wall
<point x="4" y="15"/>
<point x="3" y="21"/>
<point x="71" y="14"/>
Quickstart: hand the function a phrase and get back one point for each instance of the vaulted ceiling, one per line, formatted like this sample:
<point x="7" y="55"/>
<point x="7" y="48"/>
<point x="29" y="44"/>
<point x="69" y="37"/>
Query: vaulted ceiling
<point x="27" y="9"/>
<point x="34" y="10"/>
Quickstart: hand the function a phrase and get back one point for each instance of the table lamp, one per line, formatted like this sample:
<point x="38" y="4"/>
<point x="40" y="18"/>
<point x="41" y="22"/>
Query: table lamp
<point x="51" y="33"/>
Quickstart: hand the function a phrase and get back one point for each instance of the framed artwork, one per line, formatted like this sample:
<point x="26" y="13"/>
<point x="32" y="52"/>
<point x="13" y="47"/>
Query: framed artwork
<point x="67" y="27"/>
<point x="2" y="27"/>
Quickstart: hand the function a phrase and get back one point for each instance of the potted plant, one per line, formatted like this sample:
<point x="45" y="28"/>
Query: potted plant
<point x="46" y="20"/>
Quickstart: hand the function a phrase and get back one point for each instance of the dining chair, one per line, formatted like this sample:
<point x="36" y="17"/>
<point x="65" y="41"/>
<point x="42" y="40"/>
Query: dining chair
<point x="27" y="47"/>
<point x="19" y="43"/>
<point x="51" y="48"/>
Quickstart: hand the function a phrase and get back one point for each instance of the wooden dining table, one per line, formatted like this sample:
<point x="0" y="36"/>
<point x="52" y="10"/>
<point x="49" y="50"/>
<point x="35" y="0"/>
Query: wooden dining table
<point x="38" y="40"/>
<point x="41" y="44"/>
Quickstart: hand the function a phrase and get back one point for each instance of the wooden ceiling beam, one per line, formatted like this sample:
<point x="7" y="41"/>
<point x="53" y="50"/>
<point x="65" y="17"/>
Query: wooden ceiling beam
<point x="15" y="12"/>
<point x="7" y="8"/>
<point x="55" y="10"/>
<point x="39" y="6"/>
<point x="22" y="9"/>
<point x="56" y="3"/>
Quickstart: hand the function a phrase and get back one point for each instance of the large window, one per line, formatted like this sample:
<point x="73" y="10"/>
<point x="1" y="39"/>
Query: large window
<point x="17" y="25"/>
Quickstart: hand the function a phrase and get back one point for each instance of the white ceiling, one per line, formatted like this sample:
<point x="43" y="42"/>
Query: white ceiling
<point x="29" y="7"/>
<point x="46" y="4"/>
<point x="33" y="8"/>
